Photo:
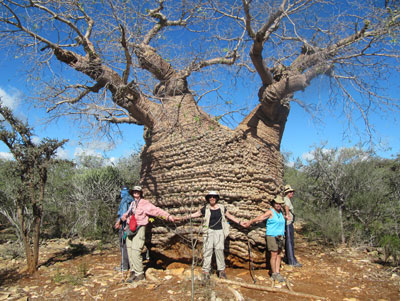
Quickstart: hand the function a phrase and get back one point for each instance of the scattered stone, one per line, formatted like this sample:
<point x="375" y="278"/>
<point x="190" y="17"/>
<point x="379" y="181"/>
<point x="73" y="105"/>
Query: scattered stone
<point x="177" y="272"/>
<point x="5" y="296"/>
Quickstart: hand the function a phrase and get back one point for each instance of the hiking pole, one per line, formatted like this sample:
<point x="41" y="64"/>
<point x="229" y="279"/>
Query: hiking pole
<point x="122" y="258"/>
<point x="251" y="266"/>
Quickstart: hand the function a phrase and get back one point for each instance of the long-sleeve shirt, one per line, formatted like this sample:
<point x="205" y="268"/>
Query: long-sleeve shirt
<point x="143" y="211"/>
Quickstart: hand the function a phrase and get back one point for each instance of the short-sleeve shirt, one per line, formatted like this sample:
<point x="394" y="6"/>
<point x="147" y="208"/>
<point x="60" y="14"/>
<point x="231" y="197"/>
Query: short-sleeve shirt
<point x="215" y="218"/>
<point x="288" y="203"/>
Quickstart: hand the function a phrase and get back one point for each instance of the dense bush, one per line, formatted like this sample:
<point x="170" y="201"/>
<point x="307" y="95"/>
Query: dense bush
<point x="349" y="196"/>
<point x="81" y="198"/>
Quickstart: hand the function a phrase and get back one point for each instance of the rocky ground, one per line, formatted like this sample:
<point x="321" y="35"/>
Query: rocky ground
<point x="84" y="270"/>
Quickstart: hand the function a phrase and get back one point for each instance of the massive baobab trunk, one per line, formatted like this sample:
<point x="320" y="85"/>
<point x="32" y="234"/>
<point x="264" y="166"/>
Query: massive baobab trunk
<point x="183" y="160"/>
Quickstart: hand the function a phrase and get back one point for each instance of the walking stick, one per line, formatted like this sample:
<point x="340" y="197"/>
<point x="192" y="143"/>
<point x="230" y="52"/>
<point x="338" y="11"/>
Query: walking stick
<point x="251" y="266"/>
<point x="122" y="257"/>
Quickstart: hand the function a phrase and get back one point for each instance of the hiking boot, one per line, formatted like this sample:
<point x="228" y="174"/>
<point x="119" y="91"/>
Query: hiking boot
<point x="297" y="265"/>
<point x="135" y="278"/>
<point x="139" y="277"/>
<point x="131" y="278"/>
<point x="222" y="274"/>
<point x="278" y="277"/>
<point x="206" y="276"/>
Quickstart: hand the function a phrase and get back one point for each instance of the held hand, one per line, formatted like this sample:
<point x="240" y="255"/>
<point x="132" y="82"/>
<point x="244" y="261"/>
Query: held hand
<point x="124" y="216"/>
<point x="172" y="218"/>
<point x="245" y="224"/>
<point x="117" y="225"/>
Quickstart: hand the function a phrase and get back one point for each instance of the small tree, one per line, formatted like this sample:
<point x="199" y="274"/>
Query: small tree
<point x="32" y="162"/>
<point x="332" y="170"/>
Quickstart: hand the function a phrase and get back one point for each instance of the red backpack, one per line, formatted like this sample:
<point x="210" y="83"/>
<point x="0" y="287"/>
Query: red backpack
<point x="133" y="222"/>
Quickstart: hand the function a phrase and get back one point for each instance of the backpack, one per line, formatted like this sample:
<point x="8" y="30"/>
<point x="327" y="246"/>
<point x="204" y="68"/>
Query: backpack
<point x="225" y="224"/>
<point x="133" y="226"/>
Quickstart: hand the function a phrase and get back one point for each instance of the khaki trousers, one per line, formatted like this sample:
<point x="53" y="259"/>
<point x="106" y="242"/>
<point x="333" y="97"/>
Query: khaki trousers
<point x="213" y="241"/>
<point x="135" y="245"/>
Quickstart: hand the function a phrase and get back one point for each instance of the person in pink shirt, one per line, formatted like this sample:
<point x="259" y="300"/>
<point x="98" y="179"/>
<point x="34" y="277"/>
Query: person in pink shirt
<point x="142" y="209"/>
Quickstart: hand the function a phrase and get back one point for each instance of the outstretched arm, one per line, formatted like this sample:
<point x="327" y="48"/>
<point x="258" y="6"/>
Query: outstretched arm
<point x="193" y="215"/>
<point x="232" y="218"/>
<point x="258" y="219"/>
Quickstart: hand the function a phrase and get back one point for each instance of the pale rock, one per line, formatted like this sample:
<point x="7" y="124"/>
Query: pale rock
<point x="13" y="289"/>
<point x="177" y="272"/>
<point x="5" y="296"/>
<point x="188" y="273"/>
<point x="350" y="299"/>
<point x="171" y="292"/>
<point x="394" y="276"/>
<point x="168" y="277"/>
<point x="59" y="290"/>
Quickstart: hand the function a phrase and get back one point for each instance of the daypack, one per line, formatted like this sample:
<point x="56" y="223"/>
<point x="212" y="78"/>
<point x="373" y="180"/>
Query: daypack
<point x="133" y="226"/>
<point x="225" y="224"/>
<point x="133" y="223"/>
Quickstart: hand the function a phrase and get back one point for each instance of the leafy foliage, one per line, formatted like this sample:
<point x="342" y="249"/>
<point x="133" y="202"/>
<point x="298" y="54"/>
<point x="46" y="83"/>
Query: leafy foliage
<point x="31" y="165"/>
<point x="350" y="194"/>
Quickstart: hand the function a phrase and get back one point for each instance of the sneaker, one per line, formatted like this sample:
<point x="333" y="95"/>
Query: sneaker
<point x="297" y="265"/>
<point x="131" y="278"/>
<point x="278" y="277"/>
<point x="222" y="274"/>
<point x="206" y="276"/>
<point x="135" y="278"/>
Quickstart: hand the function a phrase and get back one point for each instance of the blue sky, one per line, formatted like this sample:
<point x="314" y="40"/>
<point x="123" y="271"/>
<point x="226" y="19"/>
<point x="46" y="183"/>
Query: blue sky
<point x="302" y="132"/>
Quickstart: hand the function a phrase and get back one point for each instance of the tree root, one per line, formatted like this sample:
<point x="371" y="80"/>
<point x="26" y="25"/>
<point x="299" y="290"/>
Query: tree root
<point x="270" y="289"/>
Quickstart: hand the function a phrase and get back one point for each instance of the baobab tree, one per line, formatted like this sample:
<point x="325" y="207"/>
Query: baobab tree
<point x="145" y="62"/>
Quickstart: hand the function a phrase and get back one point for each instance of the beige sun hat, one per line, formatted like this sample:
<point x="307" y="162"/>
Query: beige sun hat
<point x="279" y="200"/>
<point x="288" y="189"/>
<point x="137" y="188"/>
<point x="212" y="193"/>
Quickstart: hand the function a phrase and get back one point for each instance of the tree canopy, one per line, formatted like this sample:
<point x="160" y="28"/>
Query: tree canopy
<point x="130" y="55"/>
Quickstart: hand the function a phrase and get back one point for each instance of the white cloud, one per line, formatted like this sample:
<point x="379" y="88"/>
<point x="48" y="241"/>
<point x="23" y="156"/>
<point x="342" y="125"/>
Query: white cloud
<point x="86" y="152"/>
<point x="289" y="164"/>
<point x="62" y="154"/>
<point x="6" y="156"/>
<point x="10" y="99"/>
<point x="307" y="156"/>
<point x="101" y="145"/>
<point x="36" y="140"/>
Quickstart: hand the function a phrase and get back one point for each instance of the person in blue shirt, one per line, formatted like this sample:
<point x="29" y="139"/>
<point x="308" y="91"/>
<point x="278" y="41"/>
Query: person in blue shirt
<point x="126" y="200"/>
<point x="275" y="234"/>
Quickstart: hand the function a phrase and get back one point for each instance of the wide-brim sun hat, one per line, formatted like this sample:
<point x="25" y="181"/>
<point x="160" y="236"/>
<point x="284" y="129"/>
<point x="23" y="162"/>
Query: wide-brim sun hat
<point x="137" y="188"/>
<point x="279" y="200"/>
<point x="288" y="189"/>
<point x="212" y="193"/>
